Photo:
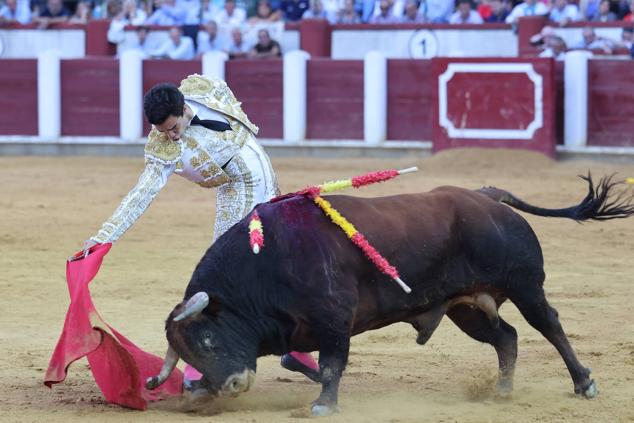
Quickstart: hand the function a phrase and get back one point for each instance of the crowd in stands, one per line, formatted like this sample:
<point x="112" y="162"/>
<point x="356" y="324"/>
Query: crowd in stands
<point x="222" y="24"/>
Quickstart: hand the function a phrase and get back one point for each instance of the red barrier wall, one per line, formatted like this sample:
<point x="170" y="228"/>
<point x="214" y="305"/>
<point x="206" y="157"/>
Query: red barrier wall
<point x="18" y="102"/>
<point x="611" y="103"/>
<point x="335" y="99"/>
<point x="157" y="71"/>
<point x="494" y="103"/>
<point x="259" y="86"/>
<point x="90" y="97"/>
<point x="409" y="100"/>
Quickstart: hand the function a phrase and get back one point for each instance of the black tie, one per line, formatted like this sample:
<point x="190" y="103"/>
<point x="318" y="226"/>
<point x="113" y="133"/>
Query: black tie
<point x="214" y="125"/>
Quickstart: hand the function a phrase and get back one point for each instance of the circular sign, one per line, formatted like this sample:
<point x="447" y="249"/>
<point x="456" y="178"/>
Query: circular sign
<point x="423" y="45"/>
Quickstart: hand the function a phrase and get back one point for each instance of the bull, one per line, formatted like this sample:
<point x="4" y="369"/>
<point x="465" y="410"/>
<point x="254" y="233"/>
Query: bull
<point x="463" y="253"/>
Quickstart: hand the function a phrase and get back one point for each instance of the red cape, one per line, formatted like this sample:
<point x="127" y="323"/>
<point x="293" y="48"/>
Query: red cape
<point x="119" y="367"/>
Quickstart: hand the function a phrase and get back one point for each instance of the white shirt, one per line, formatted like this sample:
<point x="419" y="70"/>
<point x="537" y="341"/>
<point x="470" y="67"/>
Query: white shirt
<point x="473" y="18"/>
<point x="183" y="51"/>
<point x="524" y="9"/>
<point x="205" y="113"/>
<point x="570" y="12"/>
<point x="238" y="17"/>
<point x="205" y="46"/>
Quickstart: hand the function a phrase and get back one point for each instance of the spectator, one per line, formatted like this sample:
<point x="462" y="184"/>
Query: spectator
<point x="264" y="14"/>
<point x="347" y="14"/>
<point x="465" y="15"/>
<point x="192" y="11"/>
<point x="316" y="11"/>
<point x="266" y="48"/>
<point x="439" y="11"/>
<point x="108" y="9"/>
<point x="499" y="11"/>
<point x="541" y="40"/>
<point x="210" y="9"/>
<point x="396" y="9"/>
<point x="630" y="16"/>
<point x="15" y="11"/>
<point x="207" y="39"/>
<point x="82" y="14"/>
<point x="292" y="10"/>
<point x="231" y="14"/>
<point x="139" y="43"/>
<point x="238" y="48"/>
<point x="564" y="12"/>
<point x="604" y="14"/>
<point x="589" y="9"/>
<point x="167" y="14"/>
<point x="590" y="41"/>
<point x="332" y="7"/>
<point x="555" y="47"/>
<point x="627" y="38"/>
<point x="177" y="47"/>
<point x="54" y="12"/>
<point x="385" y="15"/>
<point x="412" y="13"/>
<point x="132" y="14"/>
<point x="527" y="8"/>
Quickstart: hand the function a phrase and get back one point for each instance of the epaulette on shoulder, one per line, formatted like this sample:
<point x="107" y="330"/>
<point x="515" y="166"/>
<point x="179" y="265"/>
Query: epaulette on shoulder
<point x="160" y="148"/>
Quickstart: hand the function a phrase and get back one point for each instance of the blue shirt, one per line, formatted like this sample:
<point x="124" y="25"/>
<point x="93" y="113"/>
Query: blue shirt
<point x="293" y="9"/>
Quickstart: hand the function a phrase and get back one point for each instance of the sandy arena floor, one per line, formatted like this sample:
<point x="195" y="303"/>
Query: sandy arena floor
<point x="50" y="205"/>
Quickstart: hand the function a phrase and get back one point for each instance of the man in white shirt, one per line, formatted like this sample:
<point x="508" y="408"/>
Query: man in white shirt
<point x="465" y="15"/>
<point x="177" y="47"/>
<point x="564" y="12"/>
<point x="207" y="39"/>
<point x="15" y="11"/>
<point x="527" y="8"/>
<point x="231" y="15"/>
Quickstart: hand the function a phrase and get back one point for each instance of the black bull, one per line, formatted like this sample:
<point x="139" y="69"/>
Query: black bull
<point x="462" y="252"/>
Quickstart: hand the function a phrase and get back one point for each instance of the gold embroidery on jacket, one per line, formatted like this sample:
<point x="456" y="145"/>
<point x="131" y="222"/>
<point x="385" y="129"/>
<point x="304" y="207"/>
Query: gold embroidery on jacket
<point x="161" y="148"/>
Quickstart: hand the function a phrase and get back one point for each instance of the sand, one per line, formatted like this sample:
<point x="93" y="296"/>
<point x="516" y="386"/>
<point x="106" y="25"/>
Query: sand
<point x="50" y="205"/>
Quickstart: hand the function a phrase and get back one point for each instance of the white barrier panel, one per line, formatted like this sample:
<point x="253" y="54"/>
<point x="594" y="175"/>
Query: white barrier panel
<point x="214" y="64"/>
<point x="424" y="43"/>
<point x="131" y="95"/>
<point x="375" y="98"/>
<point x="576" y="98"/>
<point x="294" y="95"/>
<point x="29" y="43"/>
<point x="49" y="95"/>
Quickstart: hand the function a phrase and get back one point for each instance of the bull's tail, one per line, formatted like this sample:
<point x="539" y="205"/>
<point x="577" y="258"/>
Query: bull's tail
<point x="601" y="203"/>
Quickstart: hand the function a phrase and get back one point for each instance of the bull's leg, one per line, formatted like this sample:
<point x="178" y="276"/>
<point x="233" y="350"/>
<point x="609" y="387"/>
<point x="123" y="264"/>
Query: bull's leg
<point x="333" y="357"/>
<point x="503" y="338"/>
<point x="536" y="310"/>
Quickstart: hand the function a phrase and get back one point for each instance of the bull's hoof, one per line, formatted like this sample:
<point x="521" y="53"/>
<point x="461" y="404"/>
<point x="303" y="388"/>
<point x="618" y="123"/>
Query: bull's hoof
<point x="152" y="383"/>
<point x="591" y="390"/>
<point x="504" y="389"/>
<point x="320" y="410"/>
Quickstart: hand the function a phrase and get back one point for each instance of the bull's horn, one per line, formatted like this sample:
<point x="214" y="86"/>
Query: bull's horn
<point x="171" y="358"/>
<point x="195" y="305"/>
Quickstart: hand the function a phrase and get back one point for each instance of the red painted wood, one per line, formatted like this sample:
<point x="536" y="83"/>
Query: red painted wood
<point x="527" y="27"/>
<point x="335" y="99"/>
<point x="259" y="86"/>
<point x="611" y="103"/>
<point x="18" y="102"/>
<point x="96" y="38"/>
<point x="315" y="37"/>
<point x="90" y="97"/>
<point x="173" y="71"/>
<point x="409" y="100"/>
<point x="509" y="106"/>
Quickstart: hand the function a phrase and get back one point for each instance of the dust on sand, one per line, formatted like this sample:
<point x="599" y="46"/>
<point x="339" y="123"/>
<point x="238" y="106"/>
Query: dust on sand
<point x="50" y="205"/>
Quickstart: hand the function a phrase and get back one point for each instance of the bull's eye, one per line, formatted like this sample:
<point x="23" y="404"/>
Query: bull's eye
<point x="207" y="340"/>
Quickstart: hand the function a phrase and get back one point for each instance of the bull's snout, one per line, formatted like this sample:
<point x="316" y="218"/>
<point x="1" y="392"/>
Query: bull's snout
<point x="238" y="383"/>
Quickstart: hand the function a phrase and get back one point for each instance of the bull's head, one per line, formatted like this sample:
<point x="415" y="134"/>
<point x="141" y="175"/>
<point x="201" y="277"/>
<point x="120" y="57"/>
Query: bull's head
<point x="208" y="341"/>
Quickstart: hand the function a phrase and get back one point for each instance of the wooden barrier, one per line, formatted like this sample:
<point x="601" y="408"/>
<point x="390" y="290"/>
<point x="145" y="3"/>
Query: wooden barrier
<point x="18" y="102"/>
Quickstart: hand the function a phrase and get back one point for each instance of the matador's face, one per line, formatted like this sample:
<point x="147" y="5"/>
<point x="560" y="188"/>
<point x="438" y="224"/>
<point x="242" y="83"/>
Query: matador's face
<point x="174" y="126"/>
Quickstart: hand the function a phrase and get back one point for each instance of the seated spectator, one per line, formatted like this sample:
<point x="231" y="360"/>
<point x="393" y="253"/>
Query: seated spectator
<point x="238" y="48"/>
<point x="590" y="41"/>
<point x="627" y="38"/>
<point x="412" y="13"/>
<point x="209" y="9"/>
<point x="177" y="47"/>
<point x="292" y="10"/>
<point x="439" y="11"/>
<point x="554" y="47"/>
<point x="543" y="37"/>
<point x="465" y="15"/>
<point x="15" y="11"/>
<point x="589" y="9"/>
<point x="83" y="13"/>
<point x="54" y="12"/>
<point x="131" y="13"/>
<point x="630" y="16"/>
<point x="564" y="12"/>
<point x="192" y="9"/>
<point x="207" y="38"/>
<point x="527" y="8"/>
<point x="604" y="14"/>
<point x="396" y="8"/>
<point x="347" y="14"/>
<point x="139" y="43"/>
<point x="266" y="48"/>
<point x="385" y="15"/>
<point x="316" y="11"/>
<point x="264" y="14"/>
<point x="167" y="14"/>
<point x="499" y="11"/>
<point x="231" y="15"/>
<point x="109" y="9"/>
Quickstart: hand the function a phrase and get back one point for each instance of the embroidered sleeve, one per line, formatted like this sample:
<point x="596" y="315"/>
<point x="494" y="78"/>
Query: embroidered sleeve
<point x="153" y="178"/>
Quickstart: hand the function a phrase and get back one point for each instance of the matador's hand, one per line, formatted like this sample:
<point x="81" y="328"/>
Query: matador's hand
<point x="88" y="244"/>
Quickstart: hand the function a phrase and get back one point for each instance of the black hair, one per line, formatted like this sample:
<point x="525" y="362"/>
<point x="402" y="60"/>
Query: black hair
<point x="162" y="101"/>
